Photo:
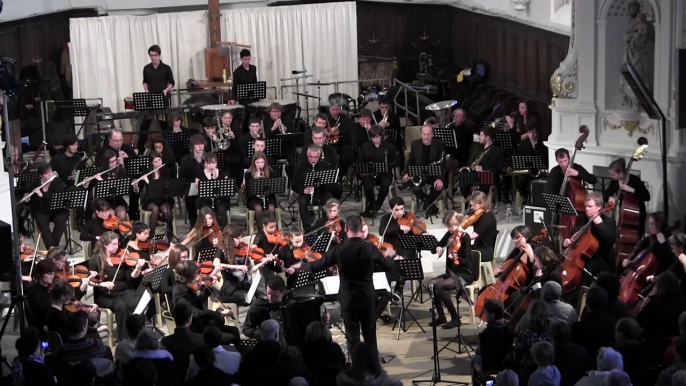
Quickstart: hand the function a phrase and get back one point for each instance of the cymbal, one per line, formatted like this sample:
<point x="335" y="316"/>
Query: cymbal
<point x="305" y="94"/>
<point x="320" y="84"/>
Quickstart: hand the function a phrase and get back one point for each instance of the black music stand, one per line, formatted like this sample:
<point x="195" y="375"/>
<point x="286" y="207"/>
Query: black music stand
<point x="504" y="140"/>
<point x="207" y="254"/>
<point x="293" y="159"/>
<point x="112" y="188"/>
<point x="134" y="166"/>
<point x="246" y="345"/>
<point x="320" y="243"/>
<point x="557" y="205"/>
<point x="410" y="269"/>
<point x="25" y="179"/>
<point x="308" y="278"/>
<point x="152" y="281"/>
<point x="143" y="101"/>
<point x="291" y="140"/>
<point x="447" y="136"/>
<point x="257" y="90"/>
<point x="82" y="174"/>
<point x="322" y="177"/>
<point x="69" y="199"/>
<point x="266" y="186"/>
<point x="217" y="188"/>
<point x="344" y="140"/>
<point x="424" y="172"/>
<point x="461" y="341"/>
<point x="418" y="243"/>
<point x="180" y="143"/>
<point x="221" y="158"/>
<point x="272" y="147"/>
<point x="482" y="180"/>
<point x="390" y="134"/>
<point x="526" y="162"/>
<point x="371" y="168"/>
<point x="68" y="109"/>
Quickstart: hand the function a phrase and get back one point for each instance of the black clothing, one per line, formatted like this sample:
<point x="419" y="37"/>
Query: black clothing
<point x="342" y="235"/>
<point x="637" y="357"/>
<point x="258" y="364"/>
<point x="243" y="76"/>
<point x="181" y="345"/>
<point x="464" y="138"/>
<point x="167" y="286"/>
<point x="65" y="165"/>
<point x="188" y="169"/>
<point x="270" y="269"/>
<point x="44" y="216"/>
<point x="418" y="157"/>
<point x="165" y="173"/>
<point x="253" y="201"/>
<point x="463" y="269"/>
<point x="387" y="154"/>
<point x="530" y="266"/>
<point x="464" y="255"/>
<point x="392" y="235"/>
<point x="324" y="359"/>
<point x="40" y="301"/>
<point x="659" y="318"/>
<point x="268" y="123"/>
<point x="116" y="201"/>
<point x="221" y="204"/>
<point x="211" y="376"/>
<point x="357" y="261"/>
<point x="606" y="234"/>
<point x="257" y="313"/>
<point x="244" y="142"/>
<point x="36" y="374"/>
<point x="641" y="194"/>
<point x="573" y="361"/>
<point x="235" y="284"/>
<point x="486" y="228"/>
<point x="595" y="330"/>
<point x="555" y="176"/>
<point x="126" y="148"/>
<point x="322" y="193"/>
<point x="526" y="148"/>
<point x="493" y="160"/>
<point x="662" y="251"/>
<point x="93" y="228"/>
<point x="158" y="78"/>
<point x="202" y="317"/>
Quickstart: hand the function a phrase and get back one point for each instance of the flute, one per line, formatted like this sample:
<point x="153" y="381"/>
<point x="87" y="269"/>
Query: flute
<point x="98" y="174"/>
<point x="137" y="180"/>
<point x="40" y="187"/>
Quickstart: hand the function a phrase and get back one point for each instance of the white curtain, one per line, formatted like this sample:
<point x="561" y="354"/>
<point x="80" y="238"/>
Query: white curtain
<point x="108" y="53"/>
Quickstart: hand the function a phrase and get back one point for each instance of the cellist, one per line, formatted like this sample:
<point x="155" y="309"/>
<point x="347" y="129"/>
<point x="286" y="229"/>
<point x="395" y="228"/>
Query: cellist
<point x="520" y="236"/>
<point x="557" y="174"/>
<point x="677" y="243"/>
<point x="459" y="263"/>
<point x="634" y="186"/>
<point x="658" y="233"/>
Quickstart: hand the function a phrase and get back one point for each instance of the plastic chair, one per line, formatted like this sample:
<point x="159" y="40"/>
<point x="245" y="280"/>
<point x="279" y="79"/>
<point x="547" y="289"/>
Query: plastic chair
<point x="474" y="288"/>
<point x="251" y="219"/>
<point x="487" y="267"/>
<point x="110" y="325"/>
<point x="145" y="218"/>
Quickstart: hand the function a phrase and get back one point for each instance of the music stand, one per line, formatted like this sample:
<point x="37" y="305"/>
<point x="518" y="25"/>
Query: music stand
<point x="309" y="278"/>
<point x="217" y="188"/>
<point x="143" y="101"/>
<point x="322" y="177"/>
<point x="112" y="188"/>
<point x="293" y="159"/>
<point x="391" y="134"/>
<point x="418" y="243"/>
<point x="82" y="174"/>
<point x="291" y="140"/>
<point x="348" y="153"/>
<point x="321" y="243"/>
<point x="152" y="281"/>
<point x="272" y="147"/>
<point x="134" y="166"/>
<point x="557" y="204"/>
<point x="344" y="140"/>
<point x="71" y="108"/>
<point x="461" y="341"/>
<point x="25" y="179"/>
<point x="266" y="186"/>
<point x="221" y="158"/>
<point x="425" y="171"/>
<point x="447" y="136"/>
<point x="504" y="140"/>
<point x="482" y="180"/>
<point x="207" y="254"/>
<point x="179" y="142"/>
<point x="257" y="90"/>
<point x="410" y="269"/>
<point x="69" y="199"/>
<point x="526" y="162"/>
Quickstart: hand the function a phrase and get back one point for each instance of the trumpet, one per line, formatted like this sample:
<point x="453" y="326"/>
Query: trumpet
<point x="40" y="187"/>
<point x="282" y="127"/>
<point x="223" y="134"/>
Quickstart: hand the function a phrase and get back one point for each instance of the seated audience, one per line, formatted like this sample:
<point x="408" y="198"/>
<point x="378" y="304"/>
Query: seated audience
<point x="125" y="350"/>
<point x="206" y="373"/>
<point x="618" y="378"/>
<point x="140" y="372"/>
<point x="495" y="342"/>
<point x="668" y="359"/>
<point x="572" y="360"/>
<point x="84" y="374"/>
<point x="537" y="329"/>
<point x="182" y="342"/>
<point x="679" y="378"/>
<point x="226" y="361"/>
<point x="257" y="363"/>
<point x="28" y="368"/>
<point x="365" y="369"/>
<point x="666" y="375"/>
<point x="596" y="328"/>
<point x="148" y="347"/>
<point x="668" y="303"/>
<point x="507" y="378"/>
<point x="323" y="357"/>
<point x="546" y="373"/>
<point x="615" y="307"/>
<point x="608" y="359"/>
<point x="557" y="309"/>
<point x="79" y="347"/>
<point x="637" y="357"/>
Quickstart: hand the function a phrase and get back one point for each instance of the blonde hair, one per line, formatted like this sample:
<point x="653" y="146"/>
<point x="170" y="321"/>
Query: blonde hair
<point x="596" y="197"/>
<point x="452" y="218"/>
<point x="330" y="203"/>
<point x="479" y="197"/>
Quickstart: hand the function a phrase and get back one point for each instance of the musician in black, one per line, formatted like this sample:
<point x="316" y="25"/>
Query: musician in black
<point x="118" y="203"/>
<point x="232" y="157"/>
<point x="176" y="124"/>
<point x="67" y="162"/>
<point x="95" y="227"/>
<point x="360" y="131"/>
<point x="268" y="265"/>
<point x="232" y="267"/>
<point x="276" y="123"/>
<point x="320" y="121"/>
<point x="389" y="122"/>
<point x="604" y="230"/>
<point x="332" y="223"/>
<point x="485" y="228"/>
<point x="531" y="145"/>
<point x="491" y="159"/>
<point x="459" y="156"/>
<point x="259" y="168"/>
<point x="40" y="206"/>
<point x="459" y="263"/>
<point x="254" y="134"/>
<point x="157" y="78"/>
<point x="261" y="307"/>
<point x="246" y="73"/>
<point x="191" y="164"/>
<point x="115" y="142"/>
<point x="424" y="152"/>
<point x="357" y="260"/>
<point x="517" y="123"/>
<point x="390" y="230"/>
<point x="186" y="272"/>
<point x="521" y="237"/>
<point x="634" y="186"/>
<point x="557" y="174"/>
<point x="380" y="152"/>
<point x="311" y="194"/>
<point x="221" y="205"/>
<point x="338" y="122"/>
<point x="329" y="153"/>
<point x="547" y="268"/>
<point x="158" y="205"/>
<point x="161" y="147"/>
<point x="655" y="242"/>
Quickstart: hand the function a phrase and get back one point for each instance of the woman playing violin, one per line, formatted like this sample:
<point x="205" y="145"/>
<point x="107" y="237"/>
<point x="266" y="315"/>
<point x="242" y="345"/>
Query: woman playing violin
<point x="233" y="266"/>
<point x="658" y="234"/>
<point x="62" y="293"/>
<point x="336" y="225"/>
<point x="110" y="159"/>
<point x="59" y="257"/>
<point x="259" y="168"/>
<point x="117" y="290"/>
<point x="205" y="225"/>
<point x="389" y="224"/>
<point x="95" y="227"/>
<point x="292" y="264"/>
<point x="269" y="232"/>
<point x="156" y="205"/>
<point x="40" y="204"/>
<point x="210" y="172"/>
<point x="139" y="233"/>
<point x="485" y="228"/>
<point x="459" y="263"/>
<point x="38" y="293"/>
<point x="176" y="254"/>
<point x="521" y="235"/>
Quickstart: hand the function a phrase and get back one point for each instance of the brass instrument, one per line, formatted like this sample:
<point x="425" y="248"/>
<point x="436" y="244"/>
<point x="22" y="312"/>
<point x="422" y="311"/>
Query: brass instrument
<point x="534" y="173"/>
<point x="417" y="180"/>
<point x="475" y="163"/>
<point x="223" y="134"/>
<point x="282" y="127"/>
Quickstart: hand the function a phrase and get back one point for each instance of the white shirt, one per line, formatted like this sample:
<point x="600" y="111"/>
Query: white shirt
<point x="226" y="361"/>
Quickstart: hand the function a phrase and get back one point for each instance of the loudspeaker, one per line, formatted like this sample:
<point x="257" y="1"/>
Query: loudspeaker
<point x="535" y="193"/>
<point x="6" y="240"/>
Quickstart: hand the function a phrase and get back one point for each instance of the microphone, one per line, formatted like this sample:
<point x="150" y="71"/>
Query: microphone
<point x="296" y="72"/>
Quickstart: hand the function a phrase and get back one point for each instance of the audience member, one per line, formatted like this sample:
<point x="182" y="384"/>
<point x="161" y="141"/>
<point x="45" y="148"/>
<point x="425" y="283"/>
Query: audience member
<point x="124" y="351"/>
<point x="226" y="361"/>
<point x="537" y="329"/>
<point x="322" y="356"/>
<point x="80" y="348"/>
<point x="618" y="378"/>
<point x="495" y="342"/>
<point x="637" y="357"/>
<point x="668" y="359"/>
<point x="288" y="367"/>
<point x="608" y="359"/>
<point x="365" y="369"/>
<point x="28" y="368"/>
<point x="206" y="372"/>
<point x="679" y="378"/>
<point x="258" y="362"/>
<point x="182" y="342"/>
<point x="572" y="360"/>
<point x="140" y="372"/>
<point x="546" y="373"/>
<point x="557" y="309"/>
<point x="84" y="374"/>
<point x="615" y="307"/>
<point x="666" y="375"/>
<point x="595" y="329"/>
<point x="668" y="303"/>
<point x="507" y="378"/>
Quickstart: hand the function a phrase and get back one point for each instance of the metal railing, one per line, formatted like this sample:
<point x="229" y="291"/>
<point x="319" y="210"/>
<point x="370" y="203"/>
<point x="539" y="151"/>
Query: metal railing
<point x="404" y="88"/>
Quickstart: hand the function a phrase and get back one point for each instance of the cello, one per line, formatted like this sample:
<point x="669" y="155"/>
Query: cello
<point x="513" y="278"/>
<point x="575" y="192"/>
<point x="629" y="227"/>
<point x="584" y="245"/>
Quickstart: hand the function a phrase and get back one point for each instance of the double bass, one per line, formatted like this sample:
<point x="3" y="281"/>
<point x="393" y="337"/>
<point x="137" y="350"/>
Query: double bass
<point x="513" y="278"/>
<point x="629" y="227"/>
<point x="573" y="189"/>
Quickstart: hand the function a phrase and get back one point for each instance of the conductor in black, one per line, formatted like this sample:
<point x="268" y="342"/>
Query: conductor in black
<point x="357" y="260"/>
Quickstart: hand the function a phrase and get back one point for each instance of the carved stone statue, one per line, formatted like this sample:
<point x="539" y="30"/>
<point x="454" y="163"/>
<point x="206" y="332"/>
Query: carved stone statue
<point x="639" y="40"/>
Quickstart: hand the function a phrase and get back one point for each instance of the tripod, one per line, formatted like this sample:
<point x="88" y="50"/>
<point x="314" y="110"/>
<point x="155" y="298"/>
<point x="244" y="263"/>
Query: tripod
<point x="461" y="341"/>
<point x="436" y="375"/>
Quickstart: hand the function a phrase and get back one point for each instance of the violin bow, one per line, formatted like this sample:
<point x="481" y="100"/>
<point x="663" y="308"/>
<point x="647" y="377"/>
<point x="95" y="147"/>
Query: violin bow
<point x="123" y="257"/>
<point x="35" y="252"/>
<point x="387" y="224"/>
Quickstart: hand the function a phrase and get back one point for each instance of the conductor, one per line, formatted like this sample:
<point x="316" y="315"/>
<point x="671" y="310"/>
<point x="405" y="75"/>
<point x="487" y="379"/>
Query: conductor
<point x="357" y="261"/>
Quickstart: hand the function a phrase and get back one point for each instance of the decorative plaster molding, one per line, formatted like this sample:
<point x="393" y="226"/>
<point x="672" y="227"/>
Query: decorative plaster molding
<point x="564" y="82"/>
<point x="629" y="126"/>
<point x="521" y="6"/>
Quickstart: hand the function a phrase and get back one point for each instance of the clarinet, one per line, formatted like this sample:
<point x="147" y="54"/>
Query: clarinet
<point x="312" y="192"/>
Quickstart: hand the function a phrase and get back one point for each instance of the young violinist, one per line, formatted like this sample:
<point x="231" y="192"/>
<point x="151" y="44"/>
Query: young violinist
<point x="521" y="235"/>
<point x="377" y="151"/>
<point x="40" y="205"/>
<point x="655" y="242"/>
<point x="459" y="263"/>
<point x="177" y="253"/>
<point x="206" y="225"/>
<point x="140" y="233"/>
<point x="485" y="228"/>
<point x="59" y="257"/>
<point x="332" y="223"/>
<point x="95" y="227"/>
<point x="390" y="230"/>
<point x="269" y="232"/>
<point x="633" y="186"/>
<point x="117" y="290"/>
<point x="156" y="205"/>
<point x="189" y="167"/>
<point x="186" y="273"/>
<point x="290" y="263"/>
<point x="259" y="168"/>
<point x="233" y="266"/>
<point x="111" y="160"/>
<point x="38" y="293"/>
<point x="212" y="172"/>
<point x="62" y="294"/>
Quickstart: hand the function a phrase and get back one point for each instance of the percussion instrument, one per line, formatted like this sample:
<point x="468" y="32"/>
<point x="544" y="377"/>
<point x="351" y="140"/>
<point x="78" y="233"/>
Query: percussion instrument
<point x="320" y="84"/>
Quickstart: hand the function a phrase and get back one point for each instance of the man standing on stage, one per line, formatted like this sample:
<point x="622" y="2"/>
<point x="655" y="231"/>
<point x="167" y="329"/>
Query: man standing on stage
<point x="357" y="261"/>
<point x="157" y="77"/>
<point x="246" y="73"/>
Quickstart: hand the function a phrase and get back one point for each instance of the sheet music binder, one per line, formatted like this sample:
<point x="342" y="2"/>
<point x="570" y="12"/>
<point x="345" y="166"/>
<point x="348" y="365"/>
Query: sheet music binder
<point x="330" y="285"/>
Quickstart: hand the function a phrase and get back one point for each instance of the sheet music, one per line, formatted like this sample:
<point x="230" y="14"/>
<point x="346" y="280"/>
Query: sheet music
<point x="193" y="191"/>
<point x="332" y="284"/>
<point x="253" y="287"/>
<point x="143" y="303"/>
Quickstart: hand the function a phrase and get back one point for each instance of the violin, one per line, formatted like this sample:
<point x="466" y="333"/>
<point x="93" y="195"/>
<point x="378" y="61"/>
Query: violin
<point x="410" y="220"/>
<point x="256" y="254"/>
<point x="74" y="305"/>
<point x="211" y="232"/>
<point x="76" y="279"/>
<point x="278" y="238"/>
<point x="30" y="252"/>
<point x="154" y="244"/>
<point x="466" y="223"/>
<point x="200" y="282"/>
<point x="383" y="247"/>
<point x="114" y="223"/>
<point x="130" y="259"/>
<point x="205" y="268"/>
<point x="241" y="249"/>
<point x="306" y="253"/>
